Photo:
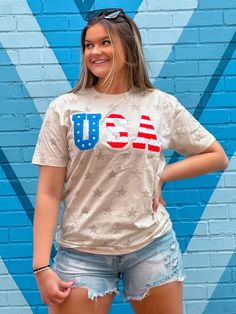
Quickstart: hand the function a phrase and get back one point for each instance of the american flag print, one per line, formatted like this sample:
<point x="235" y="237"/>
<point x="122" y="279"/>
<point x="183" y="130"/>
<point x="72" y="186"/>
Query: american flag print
<point x="146" y="135"/>
<point x="118" y="136"/>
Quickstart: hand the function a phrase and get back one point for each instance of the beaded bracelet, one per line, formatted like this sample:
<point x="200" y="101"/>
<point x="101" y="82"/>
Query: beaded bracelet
<point x="39" y="269"/>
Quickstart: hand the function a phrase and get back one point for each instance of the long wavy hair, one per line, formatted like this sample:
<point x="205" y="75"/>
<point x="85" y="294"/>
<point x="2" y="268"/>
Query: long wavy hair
<point x="125" y="28"/>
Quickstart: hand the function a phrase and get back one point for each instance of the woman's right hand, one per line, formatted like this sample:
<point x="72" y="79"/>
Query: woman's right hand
<point x="52" y="288"/>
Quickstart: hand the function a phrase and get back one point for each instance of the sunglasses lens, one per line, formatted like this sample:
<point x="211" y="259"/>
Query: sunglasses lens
<point x="93" y="14"/>
<point x="108" y="14"/>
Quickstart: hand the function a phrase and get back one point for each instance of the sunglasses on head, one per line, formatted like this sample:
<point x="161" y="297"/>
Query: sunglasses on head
<point x="108" y="14"/>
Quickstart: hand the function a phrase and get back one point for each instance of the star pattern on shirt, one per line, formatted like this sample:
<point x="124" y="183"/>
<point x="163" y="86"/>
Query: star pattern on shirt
<point x="42" y="159"/>
<point x="198" y="136"/>
<point x="121" y="192"/>
<point x="93" y="229"/>
<point x="112" y="174"/>
<point x="82" y="160"/>
<point x="151" y="156"/>
<point x="145" y="194"/>
<point x="86" y="109"/>
<point x="135" y="106"/>
<point x="128" y="242"/>
<point x="53" y="142"/>
<point x="111" y="107"/>
<point x="107" y="210"/>
<point x="98" y="192"/>
<point x="125" y="155"/>
<point x="88" y="175"/>
<point x="85" y="210"/>
<point x="132" y="213"/>
<point x="77" y="197"/>
<point x="137" y="174"/>
<point x="104" y="244"/>
<point x="47" y="123"/>
<point x="101" y="156"/>
<point x="117" y="229"/>
<point x="157" y="106"/>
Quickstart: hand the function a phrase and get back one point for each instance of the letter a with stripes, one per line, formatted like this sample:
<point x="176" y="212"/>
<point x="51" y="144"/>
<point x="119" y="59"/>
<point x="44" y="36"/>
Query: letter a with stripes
<point x="146" y="135"/>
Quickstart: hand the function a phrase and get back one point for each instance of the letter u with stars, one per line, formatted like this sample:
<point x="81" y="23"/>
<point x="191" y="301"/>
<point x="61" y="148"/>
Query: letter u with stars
<point x="93" y="129"/>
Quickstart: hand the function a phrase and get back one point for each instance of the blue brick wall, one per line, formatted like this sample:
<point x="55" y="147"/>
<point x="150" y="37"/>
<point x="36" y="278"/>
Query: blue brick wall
<point x="190" y="51"/>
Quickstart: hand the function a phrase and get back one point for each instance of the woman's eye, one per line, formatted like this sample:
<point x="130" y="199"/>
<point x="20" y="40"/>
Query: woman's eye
<point x="87" y="45"/>
<point x="106" y="42"/>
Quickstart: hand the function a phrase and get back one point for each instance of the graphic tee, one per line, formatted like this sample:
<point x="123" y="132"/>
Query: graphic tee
<point x="112" y="147"/>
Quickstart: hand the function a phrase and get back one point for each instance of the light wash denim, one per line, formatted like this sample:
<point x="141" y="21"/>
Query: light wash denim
<point x="157" y="263"/>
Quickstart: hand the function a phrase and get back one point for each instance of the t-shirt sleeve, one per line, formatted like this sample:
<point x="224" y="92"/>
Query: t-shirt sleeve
<point x="188" y="137"/>
<point x="51" y="148"/>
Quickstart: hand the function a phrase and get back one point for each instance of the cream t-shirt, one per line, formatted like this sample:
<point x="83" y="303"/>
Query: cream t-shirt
<point x="112" y="147"/>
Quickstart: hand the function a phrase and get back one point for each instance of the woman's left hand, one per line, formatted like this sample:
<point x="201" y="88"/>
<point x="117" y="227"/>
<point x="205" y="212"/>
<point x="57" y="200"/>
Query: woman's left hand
<point x="158" y="198"/>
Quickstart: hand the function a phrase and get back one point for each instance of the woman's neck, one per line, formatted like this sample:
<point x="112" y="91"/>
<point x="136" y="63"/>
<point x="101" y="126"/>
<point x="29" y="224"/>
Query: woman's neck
<point x="117" y="87"/>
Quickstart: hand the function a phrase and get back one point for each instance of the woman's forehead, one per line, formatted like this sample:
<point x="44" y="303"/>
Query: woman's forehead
<point x="96" y="32"/>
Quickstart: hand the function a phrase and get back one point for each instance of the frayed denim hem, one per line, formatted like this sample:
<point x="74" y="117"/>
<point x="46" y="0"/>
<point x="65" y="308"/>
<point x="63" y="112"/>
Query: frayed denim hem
<point x="92" y="295"/>
<point x="153" y="284"/>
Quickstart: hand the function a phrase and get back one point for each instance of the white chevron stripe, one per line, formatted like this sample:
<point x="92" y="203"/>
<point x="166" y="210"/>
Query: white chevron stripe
<point x="160" y="55"/>
<point x="45" y="52"/>
<point x="205" y="217"/>
<point x="8" y="286"/>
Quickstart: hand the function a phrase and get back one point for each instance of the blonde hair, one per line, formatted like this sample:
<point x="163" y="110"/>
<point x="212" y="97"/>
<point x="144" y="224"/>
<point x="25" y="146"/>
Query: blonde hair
<point x="125" y="28"/>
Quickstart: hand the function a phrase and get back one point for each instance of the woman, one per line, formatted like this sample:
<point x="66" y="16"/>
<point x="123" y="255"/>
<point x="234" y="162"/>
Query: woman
<point x="104" y="140"/>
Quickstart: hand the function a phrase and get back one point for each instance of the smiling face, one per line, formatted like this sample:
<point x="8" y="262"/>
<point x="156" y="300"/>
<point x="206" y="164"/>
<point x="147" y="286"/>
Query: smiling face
<point x="100" y="55"/>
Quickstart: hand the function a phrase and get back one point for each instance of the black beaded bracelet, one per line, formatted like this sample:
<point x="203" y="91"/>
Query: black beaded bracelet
<point x="41" y="268"/>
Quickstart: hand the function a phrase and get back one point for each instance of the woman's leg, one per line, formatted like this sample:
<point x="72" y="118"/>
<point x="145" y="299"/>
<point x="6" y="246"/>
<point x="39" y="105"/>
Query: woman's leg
<point x="79" y="303"/>
<point x="165" y="299"/>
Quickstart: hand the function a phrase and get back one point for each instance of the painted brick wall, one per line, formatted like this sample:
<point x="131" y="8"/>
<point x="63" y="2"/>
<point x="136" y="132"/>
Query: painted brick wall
<point x="190" y="49"/>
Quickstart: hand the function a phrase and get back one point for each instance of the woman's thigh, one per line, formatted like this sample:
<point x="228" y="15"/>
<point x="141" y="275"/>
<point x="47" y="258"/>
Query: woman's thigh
<point x="79" y="303"/>
<point x="167" y="298"/>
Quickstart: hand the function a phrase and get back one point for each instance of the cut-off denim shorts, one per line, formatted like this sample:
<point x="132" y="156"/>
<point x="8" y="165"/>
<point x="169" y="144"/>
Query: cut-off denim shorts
<point x="157" y="263"/>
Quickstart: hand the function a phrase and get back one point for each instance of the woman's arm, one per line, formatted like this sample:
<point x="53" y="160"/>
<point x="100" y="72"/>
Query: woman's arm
<point x="51" y="181"/>
<point x="212" y="159"/>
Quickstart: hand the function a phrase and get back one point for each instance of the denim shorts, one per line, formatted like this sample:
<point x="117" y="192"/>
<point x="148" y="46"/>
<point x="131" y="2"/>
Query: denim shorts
<point x="157" y="263"/>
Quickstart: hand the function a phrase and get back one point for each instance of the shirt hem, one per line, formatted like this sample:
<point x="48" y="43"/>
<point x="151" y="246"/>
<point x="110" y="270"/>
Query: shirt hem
<point x="114" y="250"/>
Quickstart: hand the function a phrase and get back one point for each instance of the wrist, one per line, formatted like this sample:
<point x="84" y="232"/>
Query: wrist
<point x="164" y="175"/>
<point x="41" y="269"/>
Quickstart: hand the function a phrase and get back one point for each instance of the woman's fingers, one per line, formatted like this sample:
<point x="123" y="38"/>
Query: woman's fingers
<point x="62" y="292"/>
<point x="162" y="201"/>
<point x="155" y="203"/>
<point x="57" y="298"/>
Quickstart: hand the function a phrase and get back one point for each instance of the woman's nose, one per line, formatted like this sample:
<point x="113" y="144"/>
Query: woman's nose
<point x="96" y="50"/>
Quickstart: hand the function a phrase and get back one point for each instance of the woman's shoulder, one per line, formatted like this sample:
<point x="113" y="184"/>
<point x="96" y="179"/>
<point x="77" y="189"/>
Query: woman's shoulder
<point x="160" y="96"/>
<point x="62" y="101"/>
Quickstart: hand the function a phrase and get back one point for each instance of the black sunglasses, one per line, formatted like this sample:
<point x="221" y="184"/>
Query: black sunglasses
<point x="109" y="14"/>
